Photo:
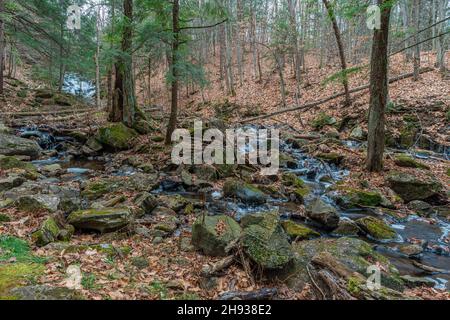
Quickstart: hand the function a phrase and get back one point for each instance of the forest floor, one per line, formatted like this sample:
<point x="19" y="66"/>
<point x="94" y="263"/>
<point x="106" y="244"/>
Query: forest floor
<point x="135" y="265"/>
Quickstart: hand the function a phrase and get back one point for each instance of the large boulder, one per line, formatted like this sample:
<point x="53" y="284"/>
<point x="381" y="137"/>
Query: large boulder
<point x="265" y="242"/>
<point x="214" y="233"/>
<point x="323" y="213"/>
<point x="410" y="187"/>
<point x="102" y="220"/>
<point x="15" y="146"/>
<point x="116" y="136"/>
<point x="354" y="254"/>
<point x="245" y="192"/>
<point x="376" y="228"/>
<point x="37" y="202"/>
<point x="352" y="198"/>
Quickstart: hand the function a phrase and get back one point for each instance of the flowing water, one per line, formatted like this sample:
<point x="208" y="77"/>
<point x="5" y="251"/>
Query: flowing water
<point x="433" y="234"/>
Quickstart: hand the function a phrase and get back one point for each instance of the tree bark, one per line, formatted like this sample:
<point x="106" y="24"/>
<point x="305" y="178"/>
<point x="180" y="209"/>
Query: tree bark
<point x="124" y="99"/>
<point x="378" y="91"/>
<point x="2" y="46"/>
<point x="174" y="68"/>
<point x="337" y="34"/>
<point x="416" y="58"/>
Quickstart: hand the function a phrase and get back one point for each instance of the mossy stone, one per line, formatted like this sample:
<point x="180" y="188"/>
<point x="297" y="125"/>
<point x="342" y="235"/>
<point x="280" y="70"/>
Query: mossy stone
<point x="213" y="233"/>
<point x="403" y="160"/>
<point x="245" y="192"/>
<point x="298" y="231"/>
<point x="410" y="187"/>
<point x="376" y="228"/>
<point x="102" y="220"/>
<point x="47" y="233"/>
<point x="116" y="136"/>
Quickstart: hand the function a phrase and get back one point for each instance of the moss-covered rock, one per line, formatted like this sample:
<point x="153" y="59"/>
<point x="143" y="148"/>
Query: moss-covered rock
<point x="4" y="218"/>
<point x="245" y="192"/>
<point x="12" y="181"/>
<point x="146" y="202"/>
<point x="298" y="231"/>
<point x="403" y="160"/>
<point x="214" y="233"/>
<point x="410" y="187"/>
<point x="102" y="220"/>
<point x="323" y="120"/>
<point x="11" y="163"/>
<point x="323" y="213"/>
<point x="95" y="189"/>
<point x="116" y="136"/>
<point x="47" y="233"/>
<point x="265" y="242"/>
<point x="407" y="135"/>
<point x="352" y="198"/>
<point x="346" y="227"/>
<point x="287" y="161"/>
<point x="353" y="253"/>
<point x="376" y="228"/>
<point x="296" y="186"/>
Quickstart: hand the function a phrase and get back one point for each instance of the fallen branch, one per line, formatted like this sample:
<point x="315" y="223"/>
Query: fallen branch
<point x="212" y="269"/>
<point x="263" y="294"/>
<point x="337" y="95"/>
<point x="42" y="113"/>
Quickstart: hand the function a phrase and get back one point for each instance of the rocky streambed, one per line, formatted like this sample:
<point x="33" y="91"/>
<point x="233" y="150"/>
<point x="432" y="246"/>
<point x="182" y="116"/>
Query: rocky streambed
<point x="297" y="226"/>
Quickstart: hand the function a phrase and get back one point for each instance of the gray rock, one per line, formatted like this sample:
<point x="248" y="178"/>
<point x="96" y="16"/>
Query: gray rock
<point x="11" y="146"/>
<point x="410" y="187"/>
<point x="245" y="192"/>
<point x="37" y="202"/>
<point x="44" y="292"/>
<point x="10" y="182"/>
<point x="323" y="213"/>
<point x="102" y="220"/>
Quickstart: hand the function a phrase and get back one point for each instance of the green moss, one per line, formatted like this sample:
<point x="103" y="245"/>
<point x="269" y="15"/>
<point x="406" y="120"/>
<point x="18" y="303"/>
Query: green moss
<point x="448" y="172"/>
<point x="10" y="162"/>
<point x="98" y="188"/>
<point x="298" y="231"/>
<point x="353" y="285"/>
<point x="403" y="160"/>
<point x="88" y="281"/>
<point x="376" y="228"/>
<point x="355" y="197"/>
<point x="116" y="136"/>
<point x="407" y="135"/>
<point x="17" y="249"/>
<point x="17" y="274"/>
<point x="47" y="233"/>
<point x="4" y="218"/>
<point x="322" y="120"/>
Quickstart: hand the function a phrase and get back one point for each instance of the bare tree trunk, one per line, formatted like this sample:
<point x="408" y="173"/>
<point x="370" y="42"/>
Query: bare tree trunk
<point x="2" y="46"/>
<point x="240" y="40"/>
<point x="378" y="91"/>
<point x="440" y="44"/>
<point x="416" y="39"/>
<point x="97" y="63"/>
<point x="337" y="34"/>
<point x="294" y="42"/>
<point x="174" y="68"/>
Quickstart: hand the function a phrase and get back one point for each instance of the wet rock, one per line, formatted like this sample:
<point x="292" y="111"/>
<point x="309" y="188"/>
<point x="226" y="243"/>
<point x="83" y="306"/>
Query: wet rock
<point x="358" y="134"/>
<point x="403" y="160"/>
<point x="411" y="249"/>
<point x="52" y="170"/>
<point x="265" y="242"/>
<point x="296" y="186"/>
<point x="332" y="157"/>
<point x="346" y="227"/>
<point x="102" y="220"/>
<point x="10" y="182"/>
<point x="376" y="228"/>
<point x="287" y="161"/>
<point x="410" y="187"/>
<point x="353" y="198"/>
<point x="116" y="136"/>
<point x="37" y="202"/>
<point x="298" y="231"/>
<point x="420" y="207"/>
<point x="12" y="145"/>
<point x="413" y="282"/>
<point x="323" y="213"/>
<point x="245" y="192"/>
<point x="213" y="234"/>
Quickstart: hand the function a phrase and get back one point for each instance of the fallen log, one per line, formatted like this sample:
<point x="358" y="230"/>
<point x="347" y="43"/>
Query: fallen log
<point x="43" y="113"/>
<point x="335" y="96"/>
<point x="212" y="269"/>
